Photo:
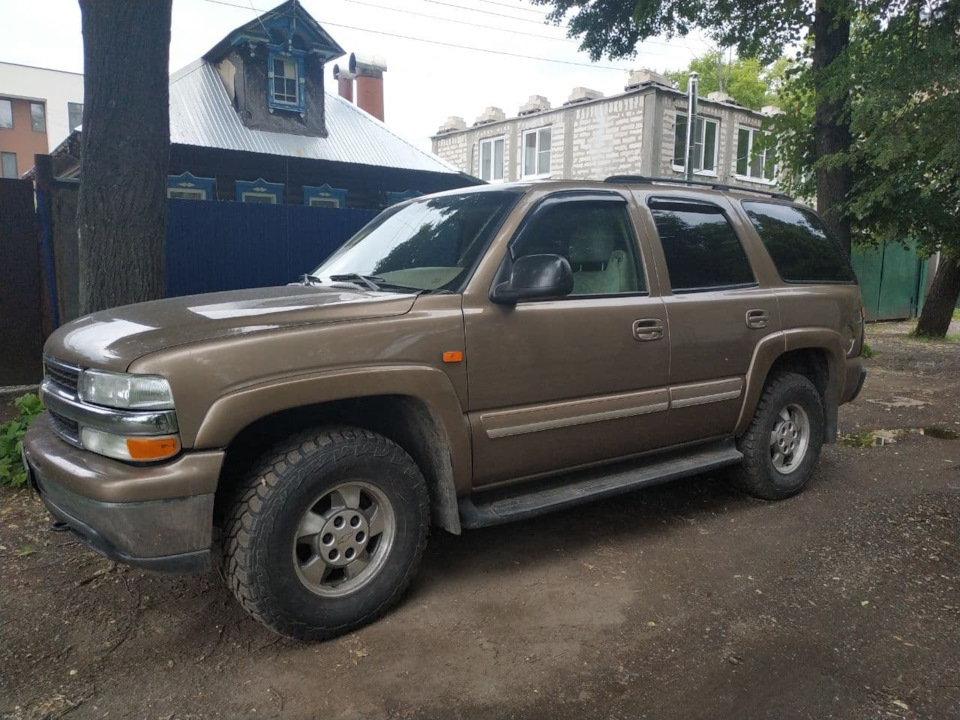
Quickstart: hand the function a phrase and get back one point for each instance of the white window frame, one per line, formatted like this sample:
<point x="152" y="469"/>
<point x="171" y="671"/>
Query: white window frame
<point x="287" y="62"/>
<point x="523" y="153"/>
<point x="43" y="117"/>
<point x="186" y="193"/>
<point x="9" y="103"/>
<point x="252" y="194"/>
<point x="716" y="145"/>
<point x="748" y="177"/>
<point x="16" y="170"/>
<point x="491" y="142"/>
<point x="327" y="202"/>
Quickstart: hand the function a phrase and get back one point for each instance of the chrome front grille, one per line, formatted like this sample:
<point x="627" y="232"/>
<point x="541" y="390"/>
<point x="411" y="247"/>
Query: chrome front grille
<point x="64" y="375"/>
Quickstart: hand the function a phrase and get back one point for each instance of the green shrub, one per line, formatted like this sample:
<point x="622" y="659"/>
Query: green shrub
<point x="11" y="438"/>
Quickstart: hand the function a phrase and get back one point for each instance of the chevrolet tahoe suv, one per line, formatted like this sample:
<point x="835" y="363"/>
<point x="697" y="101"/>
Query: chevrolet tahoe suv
<point x="468" y="358"/>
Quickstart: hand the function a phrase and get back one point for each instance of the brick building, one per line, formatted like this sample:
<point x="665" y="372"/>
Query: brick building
<point x="641" y="131"/>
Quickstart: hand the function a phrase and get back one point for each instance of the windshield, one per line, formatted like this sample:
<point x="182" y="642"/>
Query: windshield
<point x="429" y="244"/>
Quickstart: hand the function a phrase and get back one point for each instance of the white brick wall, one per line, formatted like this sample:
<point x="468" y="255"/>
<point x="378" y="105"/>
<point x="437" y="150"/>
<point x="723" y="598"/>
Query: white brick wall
<point x="596" y="139"/>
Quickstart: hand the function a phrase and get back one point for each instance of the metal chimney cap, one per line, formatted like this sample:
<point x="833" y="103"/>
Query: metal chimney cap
<point x="367" y="63"/>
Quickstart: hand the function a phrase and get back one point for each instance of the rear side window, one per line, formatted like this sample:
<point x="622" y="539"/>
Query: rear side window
<point x="702" y="250"/>
<point x="799" y="243"/>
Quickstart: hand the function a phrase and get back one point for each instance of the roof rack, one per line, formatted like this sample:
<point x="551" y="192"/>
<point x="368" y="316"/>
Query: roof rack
<point x="641" y="179"/>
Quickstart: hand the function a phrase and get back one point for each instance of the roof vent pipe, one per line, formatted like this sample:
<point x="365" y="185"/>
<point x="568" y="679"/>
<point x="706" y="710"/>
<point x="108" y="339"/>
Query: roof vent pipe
<point x="369" y="71"/>
<point x="345" y="80"/>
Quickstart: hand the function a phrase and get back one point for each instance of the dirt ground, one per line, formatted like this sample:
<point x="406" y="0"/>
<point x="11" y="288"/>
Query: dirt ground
<point x="684" y="601"/>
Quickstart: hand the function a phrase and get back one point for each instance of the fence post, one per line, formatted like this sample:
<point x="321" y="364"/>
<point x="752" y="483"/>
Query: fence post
<point x="43" y="179"/>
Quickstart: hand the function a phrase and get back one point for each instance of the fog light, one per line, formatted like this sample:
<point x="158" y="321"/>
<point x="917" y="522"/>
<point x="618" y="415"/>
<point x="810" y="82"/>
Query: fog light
<point x="140" y="449"/>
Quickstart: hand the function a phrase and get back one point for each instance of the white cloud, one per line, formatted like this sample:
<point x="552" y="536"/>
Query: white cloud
<point x="424" y="83"/>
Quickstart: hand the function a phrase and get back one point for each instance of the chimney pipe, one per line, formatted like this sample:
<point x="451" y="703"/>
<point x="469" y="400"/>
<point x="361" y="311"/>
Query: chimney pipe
<point x="345" y="80"/>
<point x="369" y="71"/>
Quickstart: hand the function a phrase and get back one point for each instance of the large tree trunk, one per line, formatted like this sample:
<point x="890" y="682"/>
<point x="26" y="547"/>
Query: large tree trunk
<point x="124" y="151"/>
<point x="944" y="293"/>
<point x="831" y="30"/>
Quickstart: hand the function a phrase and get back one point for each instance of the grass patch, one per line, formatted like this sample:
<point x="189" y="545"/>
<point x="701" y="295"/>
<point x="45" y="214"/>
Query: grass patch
<point x="11" y="440"/>
<point x="868" y="352"/>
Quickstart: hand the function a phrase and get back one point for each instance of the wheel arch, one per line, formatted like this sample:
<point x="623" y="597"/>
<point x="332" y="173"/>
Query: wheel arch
<point x="429" y="425"/>
<point x="816" y="353"/>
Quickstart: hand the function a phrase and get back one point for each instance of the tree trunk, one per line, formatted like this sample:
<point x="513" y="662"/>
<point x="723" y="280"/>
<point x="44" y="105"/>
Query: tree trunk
<point x="944" y="293"/>
<point x="831" y="30"/>
<point x="124" y="151"/>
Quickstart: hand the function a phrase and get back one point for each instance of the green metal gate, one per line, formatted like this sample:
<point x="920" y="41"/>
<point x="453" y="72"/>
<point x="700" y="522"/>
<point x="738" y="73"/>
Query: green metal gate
<point x="892" y="279"/>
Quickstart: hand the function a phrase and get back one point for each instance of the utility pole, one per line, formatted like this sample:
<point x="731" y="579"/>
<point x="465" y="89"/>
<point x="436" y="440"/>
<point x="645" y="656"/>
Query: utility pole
<point x="691" y="121"/>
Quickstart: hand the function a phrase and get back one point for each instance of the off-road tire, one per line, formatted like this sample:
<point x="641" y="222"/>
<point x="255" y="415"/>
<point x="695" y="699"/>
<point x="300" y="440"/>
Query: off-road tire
<point x="258" y="560"/>
<point x="758" y="476"/>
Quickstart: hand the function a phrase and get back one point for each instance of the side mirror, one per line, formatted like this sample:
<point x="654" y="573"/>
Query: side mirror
<point x="535" y="277"/>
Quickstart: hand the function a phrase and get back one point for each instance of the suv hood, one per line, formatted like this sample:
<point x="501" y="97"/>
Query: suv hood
<point x="112" y="339"/>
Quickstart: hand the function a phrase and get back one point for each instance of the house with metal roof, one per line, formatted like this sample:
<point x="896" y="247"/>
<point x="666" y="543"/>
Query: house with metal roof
<point x="251" y="121"/>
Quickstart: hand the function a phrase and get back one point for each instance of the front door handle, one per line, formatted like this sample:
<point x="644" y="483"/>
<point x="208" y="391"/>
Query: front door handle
<point x="647" y="329"/>
<point x="757" y="319"/>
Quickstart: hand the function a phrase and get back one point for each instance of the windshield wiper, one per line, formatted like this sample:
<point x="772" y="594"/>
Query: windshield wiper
<point x="367" y="281"/>
<point x="308" y="280"/>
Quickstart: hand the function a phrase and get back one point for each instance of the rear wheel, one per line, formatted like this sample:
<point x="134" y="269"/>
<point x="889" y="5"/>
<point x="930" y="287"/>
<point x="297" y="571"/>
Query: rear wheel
<point x="781" y="446"/>
<point x="327" y="534"/>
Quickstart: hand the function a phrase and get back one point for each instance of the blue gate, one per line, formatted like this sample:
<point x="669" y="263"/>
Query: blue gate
<point x="229" y="245"/>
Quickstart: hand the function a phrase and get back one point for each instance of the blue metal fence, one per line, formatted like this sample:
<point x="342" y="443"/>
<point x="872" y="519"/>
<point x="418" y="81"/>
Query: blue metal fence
<point x="228" y="245"/>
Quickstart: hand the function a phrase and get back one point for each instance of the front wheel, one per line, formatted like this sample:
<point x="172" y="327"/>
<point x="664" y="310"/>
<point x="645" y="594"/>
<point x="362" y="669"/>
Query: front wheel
<point x="782" y="444"/>
<point x="327" y="535"/>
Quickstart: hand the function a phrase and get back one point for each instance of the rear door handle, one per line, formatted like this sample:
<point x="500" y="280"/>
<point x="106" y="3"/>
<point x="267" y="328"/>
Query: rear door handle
<point x="757" y="319"/>
<point x="648" y="329"/>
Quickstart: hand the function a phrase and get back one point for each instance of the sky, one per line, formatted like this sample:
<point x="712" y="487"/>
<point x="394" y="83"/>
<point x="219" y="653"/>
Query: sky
<point x="424" y="83"/>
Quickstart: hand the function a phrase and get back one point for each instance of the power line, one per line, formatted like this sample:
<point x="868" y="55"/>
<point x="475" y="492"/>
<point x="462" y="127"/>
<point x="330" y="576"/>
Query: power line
<point x="487" y="12"/>
<point x="592" y="66"/>
<point x="512" y="7"/>
<point x="461" y="22"/>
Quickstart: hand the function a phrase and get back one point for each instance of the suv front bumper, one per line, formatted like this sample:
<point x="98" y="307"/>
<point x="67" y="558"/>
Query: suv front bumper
<point x="158" y="517"/>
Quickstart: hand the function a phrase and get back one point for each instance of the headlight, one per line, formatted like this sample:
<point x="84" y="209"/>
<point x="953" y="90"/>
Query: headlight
<point x="122" y="390"/>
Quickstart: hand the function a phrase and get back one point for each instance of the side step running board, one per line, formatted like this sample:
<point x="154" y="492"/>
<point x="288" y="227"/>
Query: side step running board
<point x="497" y="507"/>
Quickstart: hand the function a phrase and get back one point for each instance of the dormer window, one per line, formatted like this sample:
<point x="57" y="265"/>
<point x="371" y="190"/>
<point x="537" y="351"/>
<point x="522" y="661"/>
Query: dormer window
<point x="286" y="81"/>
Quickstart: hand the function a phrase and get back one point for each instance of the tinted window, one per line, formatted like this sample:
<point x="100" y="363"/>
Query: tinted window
<point x="596" y="239"/>
<point x="428" y="244"/>
<point x="799" y="243"/>
<point x="701" y="247"/>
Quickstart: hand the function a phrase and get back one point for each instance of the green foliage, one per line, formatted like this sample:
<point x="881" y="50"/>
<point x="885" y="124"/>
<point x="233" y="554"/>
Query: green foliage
<point x="868" y="352"/>
<point x="744" y="79"/>
<point x="11" y="439"/>
<point x="901" y="72"/>
<point x="755" y="28"/>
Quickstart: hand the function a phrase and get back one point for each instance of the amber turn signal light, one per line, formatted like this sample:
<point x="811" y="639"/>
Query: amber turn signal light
<point x="152" y="448"/>
<point x="453" y="356"/>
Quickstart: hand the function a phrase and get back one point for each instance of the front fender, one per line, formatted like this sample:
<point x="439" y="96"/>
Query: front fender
<point x="231" y="413"/>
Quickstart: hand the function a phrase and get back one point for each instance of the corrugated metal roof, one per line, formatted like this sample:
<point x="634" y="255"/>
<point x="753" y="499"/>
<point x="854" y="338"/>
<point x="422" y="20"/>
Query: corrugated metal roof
<point x="201" y="114"/>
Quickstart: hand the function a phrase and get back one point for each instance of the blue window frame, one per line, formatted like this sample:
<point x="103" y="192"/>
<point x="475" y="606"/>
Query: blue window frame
<point x="285" y="79"/>
<point x="397" y="197"/>
<point x="190" y="187"/>
<point x="324" y="196"/>
<point x="259" y="191"/>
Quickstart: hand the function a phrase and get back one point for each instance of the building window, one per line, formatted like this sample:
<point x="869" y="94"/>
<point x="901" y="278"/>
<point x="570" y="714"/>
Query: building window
<point x="189" y="187"/>
<point x="536" y="152"/>
<point x="491" y="159"/>
<point x="6" y="114"/>
<point x="75" y="114"/>
<point x="754" y="162"/>
<point x="285" y="79"/>
<point x="324" y="196"/>
<point x="259" y="191"/>
<point x="704" y="139"/>
<point x="8" y="165"/>
<point x="398" y="197"/>
<point x="38" y="117"/>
